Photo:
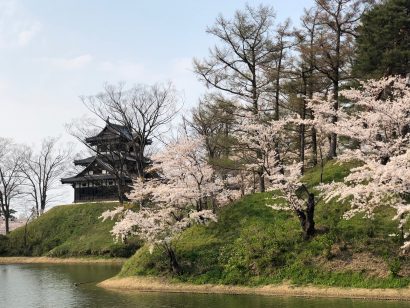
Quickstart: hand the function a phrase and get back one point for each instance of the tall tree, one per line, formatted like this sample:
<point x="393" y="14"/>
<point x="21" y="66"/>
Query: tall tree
<point x="214" y="120"/>
<point x="242" y="65"/>
<point x="145" y="111"/>
<point x="383" y="41"/>
<point x="381" y="125"/>
<point x="303" y="82"/>
<point x="11" y="181"/>
<point x="283" y="40"/>
<point x="43" y="171"/>
<point x="310" y="81"/>
<point x="338" y="20"/>
<point x="176" y="198"/>
<point x="239" y="65"/>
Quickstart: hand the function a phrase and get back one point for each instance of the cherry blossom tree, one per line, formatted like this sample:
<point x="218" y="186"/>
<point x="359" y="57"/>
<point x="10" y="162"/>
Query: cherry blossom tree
<point x="188" y="177"/>
<point x="158" y="226"/>
<point x="380" y="123"/>
<point x="258" y="141"/>
<point x="291" y="190"/>
<point x="176" y="199"/>
<point x="284" y="180"/>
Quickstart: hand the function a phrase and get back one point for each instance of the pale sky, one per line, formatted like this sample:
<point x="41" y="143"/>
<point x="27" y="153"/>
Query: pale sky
<point x="53" y="51"/>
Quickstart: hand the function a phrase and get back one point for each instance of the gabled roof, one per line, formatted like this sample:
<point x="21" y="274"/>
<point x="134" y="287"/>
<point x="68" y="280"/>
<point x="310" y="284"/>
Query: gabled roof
<point x="84" y="176"/>
<point x="111" y="131"/>
<point x="111" y="157"/>
<point x="96" y="177"/>
<point x="84" y="161"/>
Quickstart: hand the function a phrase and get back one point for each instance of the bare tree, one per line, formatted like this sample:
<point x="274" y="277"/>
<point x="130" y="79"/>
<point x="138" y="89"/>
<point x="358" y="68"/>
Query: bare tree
<point x="283" y="42"/>
<point x="337" y="22"/>
<point x="213" y="119"/>
<point x="11" y="181"/>
<point x="145" y="111"/>
<point x="305" y="81"/>
<point x="242" y="65"/>
<point x="43" y="171"/>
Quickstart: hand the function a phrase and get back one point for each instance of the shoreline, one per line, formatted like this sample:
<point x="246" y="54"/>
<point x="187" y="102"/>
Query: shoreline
<point x="150" y="284"/>
<point x="50" y="260"/>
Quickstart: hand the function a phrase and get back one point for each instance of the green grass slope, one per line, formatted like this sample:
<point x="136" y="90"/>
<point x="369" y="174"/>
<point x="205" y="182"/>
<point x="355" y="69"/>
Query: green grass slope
<point x="66" y="231"/>
<point x="252" y="245"/>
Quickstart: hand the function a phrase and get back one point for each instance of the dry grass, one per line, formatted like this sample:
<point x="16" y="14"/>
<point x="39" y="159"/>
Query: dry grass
<point x="357" y="262"/>
<point x="45" y="260"/>
<point x="150" y="284"/>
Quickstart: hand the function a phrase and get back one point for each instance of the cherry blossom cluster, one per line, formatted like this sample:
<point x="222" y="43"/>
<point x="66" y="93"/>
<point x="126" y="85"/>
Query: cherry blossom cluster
<point x="259" y="139"/>
<point x="177" y="197"/>
<point x="287" y="182"/>
<point x="379" y="121"/>
<point x="156" y="226"/>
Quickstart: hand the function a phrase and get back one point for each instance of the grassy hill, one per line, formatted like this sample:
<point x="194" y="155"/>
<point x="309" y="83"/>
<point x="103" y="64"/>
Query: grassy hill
<point x="252" y="245"/>
<point x="66" y="231"/>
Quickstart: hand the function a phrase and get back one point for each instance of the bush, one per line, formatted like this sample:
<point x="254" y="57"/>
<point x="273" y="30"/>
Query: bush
<point x="394" y="267"/>
<point x="4" y="245"/>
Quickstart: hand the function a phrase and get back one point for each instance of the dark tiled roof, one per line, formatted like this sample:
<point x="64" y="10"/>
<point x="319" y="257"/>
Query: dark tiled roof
<point x="121" y="130"/>
<point x="84" y="161"/>
<point x="95" y="177"/>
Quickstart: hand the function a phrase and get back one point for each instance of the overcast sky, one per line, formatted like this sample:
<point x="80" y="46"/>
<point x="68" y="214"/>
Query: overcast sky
<point x="54" y="51"/>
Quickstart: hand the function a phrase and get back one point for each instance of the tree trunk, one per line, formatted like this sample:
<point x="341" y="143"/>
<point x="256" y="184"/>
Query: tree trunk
<point x="302" y="146"/>
<point x="120" y="191"/>
<point x="6" y="220"/>
<point x="261" y="179"/>
<point x="42" y="207"/>
<point x="173" y="262"/>
<point x="302" y="220"/>
<point x="333" y="146"/>
<point x="213" y="203"/>
<point x="321" y="164"/>
<point x="277" y="90"/>
<point x="199" y="206"/>
<point x="314" y="146"/>
<point x="25" y="236"/>
<point x="310" y="214"/>
<point x="307" y="217"/>
<point x="333" y="136"/>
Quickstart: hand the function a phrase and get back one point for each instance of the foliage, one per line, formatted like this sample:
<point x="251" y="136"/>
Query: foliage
<point x="4" y="244"/>
<point x="178" y="198"/>
<point x="381" y="125"/>
<point x="252" y="245"/>
<point x="383" y="42"/>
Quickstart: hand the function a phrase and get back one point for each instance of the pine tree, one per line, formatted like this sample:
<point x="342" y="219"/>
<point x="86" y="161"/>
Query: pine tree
<point x="383" y="43"/>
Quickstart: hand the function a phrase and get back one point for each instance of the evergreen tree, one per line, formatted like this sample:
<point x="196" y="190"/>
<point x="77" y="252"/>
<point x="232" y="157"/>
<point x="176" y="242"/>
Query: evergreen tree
<point x="383" y="42"/>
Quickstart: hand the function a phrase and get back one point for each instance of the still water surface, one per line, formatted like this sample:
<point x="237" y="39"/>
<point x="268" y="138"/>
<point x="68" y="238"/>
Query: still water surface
<point x="63" y="286"/>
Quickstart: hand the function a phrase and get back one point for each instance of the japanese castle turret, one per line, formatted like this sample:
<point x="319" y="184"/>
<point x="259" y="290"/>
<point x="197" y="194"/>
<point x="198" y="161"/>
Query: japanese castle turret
<point x="115" y="160"/>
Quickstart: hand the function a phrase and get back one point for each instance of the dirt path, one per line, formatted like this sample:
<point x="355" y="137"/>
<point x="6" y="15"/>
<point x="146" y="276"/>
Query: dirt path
<point x="147" y="284"/>
<point x="43" y="260"/>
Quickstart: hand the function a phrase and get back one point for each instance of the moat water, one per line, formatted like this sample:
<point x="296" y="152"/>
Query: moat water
<point x="58" y="286"/>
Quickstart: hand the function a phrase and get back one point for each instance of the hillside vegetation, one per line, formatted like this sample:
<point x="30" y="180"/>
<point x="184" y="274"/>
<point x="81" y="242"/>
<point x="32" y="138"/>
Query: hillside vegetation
<point x="66" y="231"/>
<point x="251" y="244"/>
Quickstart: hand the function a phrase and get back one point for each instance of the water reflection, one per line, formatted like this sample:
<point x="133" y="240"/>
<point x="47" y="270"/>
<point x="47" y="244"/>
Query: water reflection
<point x="75" y="286"/>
